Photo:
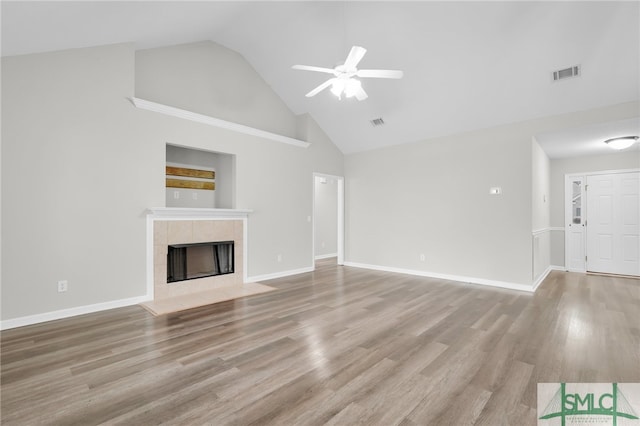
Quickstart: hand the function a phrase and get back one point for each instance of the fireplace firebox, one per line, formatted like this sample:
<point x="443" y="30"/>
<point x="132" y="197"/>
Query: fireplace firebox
<point x="199" y="260"/>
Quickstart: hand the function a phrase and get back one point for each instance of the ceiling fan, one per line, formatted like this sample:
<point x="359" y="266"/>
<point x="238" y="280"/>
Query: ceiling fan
<point x="343" y="81"/>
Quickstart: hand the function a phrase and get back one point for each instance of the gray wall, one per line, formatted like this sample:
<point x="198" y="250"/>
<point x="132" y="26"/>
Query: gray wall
<point x="560" y="167"/>
<point x="80" y="164"/>
<point x="326" y="217"/>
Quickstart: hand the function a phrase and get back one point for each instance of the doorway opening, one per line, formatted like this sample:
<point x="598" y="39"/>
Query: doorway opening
<point x="328" y="218"/>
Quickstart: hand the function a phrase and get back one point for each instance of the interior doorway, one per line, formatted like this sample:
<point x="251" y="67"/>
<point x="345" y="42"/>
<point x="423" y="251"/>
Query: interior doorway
<point x="602" y="222"/>
<point x="328" y="217"/>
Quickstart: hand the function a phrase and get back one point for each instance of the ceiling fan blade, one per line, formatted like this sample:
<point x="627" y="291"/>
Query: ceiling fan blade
<point x="361" y="95"/>
<point x="320" y="88"/>
<point x="355" y="55"/>
<point x="311" y="68"/>
<point x="380" y="73"/>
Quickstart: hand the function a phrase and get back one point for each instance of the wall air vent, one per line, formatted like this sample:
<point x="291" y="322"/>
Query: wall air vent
<point x="565" y="73"/>
<point x="377" y="122"/>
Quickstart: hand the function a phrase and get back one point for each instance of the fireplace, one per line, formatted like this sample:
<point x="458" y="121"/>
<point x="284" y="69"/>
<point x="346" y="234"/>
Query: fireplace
<point x="199" y="260"/>
<point x="216" y="240"/>
<point x="182" y="227"/>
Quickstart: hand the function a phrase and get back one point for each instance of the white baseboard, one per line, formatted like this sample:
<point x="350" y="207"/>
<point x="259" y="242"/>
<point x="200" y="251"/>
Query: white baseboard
<point x="326" y="256"/>
<point x="265" y="277"/>
<point x="81" y="310"/>
<point x="463" y="279"/>
<point x="541" y="278"/>
<point x="70" y="312"/>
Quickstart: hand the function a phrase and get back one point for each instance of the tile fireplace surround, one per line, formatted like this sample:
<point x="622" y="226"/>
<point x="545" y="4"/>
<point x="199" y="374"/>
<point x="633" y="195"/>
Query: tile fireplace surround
<point x="167" y="226"/>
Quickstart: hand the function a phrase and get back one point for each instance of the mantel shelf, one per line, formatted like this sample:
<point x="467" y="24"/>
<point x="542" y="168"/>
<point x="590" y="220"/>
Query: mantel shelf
<point x="194" y="213"/>
<point x="216" y="122"/>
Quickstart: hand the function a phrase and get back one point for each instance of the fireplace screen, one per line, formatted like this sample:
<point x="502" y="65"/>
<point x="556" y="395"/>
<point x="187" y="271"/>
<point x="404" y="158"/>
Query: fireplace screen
<point x="190" y="261"/>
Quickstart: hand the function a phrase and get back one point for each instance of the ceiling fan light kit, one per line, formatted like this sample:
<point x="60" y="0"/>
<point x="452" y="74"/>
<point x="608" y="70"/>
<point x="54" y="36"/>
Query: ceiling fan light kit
<point x="350" y="87"/>
<point x="344" y="81"/>
<point x="622" y="142"/>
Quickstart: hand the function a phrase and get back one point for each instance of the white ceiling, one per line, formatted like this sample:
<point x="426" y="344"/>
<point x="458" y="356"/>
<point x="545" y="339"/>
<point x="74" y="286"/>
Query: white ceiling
<point x="588" y="140"/>
<point x="467" y="65"/>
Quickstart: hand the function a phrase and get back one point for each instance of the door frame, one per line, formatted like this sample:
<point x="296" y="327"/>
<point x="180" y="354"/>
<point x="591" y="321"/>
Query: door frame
<point x="340" y="219"/>
<point x="585" y="207"/>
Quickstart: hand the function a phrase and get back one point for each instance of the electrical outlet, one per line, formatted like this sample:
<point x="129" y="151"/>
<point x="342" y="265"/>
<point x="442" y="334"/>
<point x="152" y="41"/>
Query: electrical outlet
<point x="176" y="194"/>
<point x="279" y="258"/>
<point x="194" y="195"/>
<point x="422" y="257"/>
<point x="62" y="286"/>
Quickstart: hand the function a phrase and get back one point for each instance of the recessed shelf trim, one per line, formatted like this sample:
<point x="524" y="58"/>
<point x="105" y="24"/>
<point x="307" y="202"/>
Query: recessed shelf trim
<point x="215" y="122"/>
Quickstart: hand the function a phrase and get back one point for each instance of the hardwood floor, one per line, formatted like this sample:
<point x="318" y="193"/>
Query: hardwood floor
<point x="339" y="346"/>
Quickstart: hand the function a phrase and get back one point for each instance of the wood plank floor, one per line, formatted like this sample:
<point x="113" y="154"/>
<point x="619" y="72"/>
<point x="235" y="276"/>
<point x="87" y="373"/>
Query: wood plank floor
<point x="339" y="346"/>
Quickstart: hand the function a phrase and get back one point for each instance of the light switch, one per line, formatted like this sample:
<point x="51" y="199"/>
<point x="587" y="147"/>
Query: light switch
<point x="496" y="190"/>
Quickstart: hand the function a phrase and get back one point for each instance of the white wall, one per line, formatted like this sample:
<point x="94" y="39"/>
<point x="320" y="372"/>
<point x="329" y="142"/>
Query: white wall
<point x="541" y="233"/>
<point x="540" y="187"/>
<point x="81" y="164"/>
<point x="432" y="197"/>
<point x="210" y="79"/>
<point x="326" y="216"/>
<point x="560" y="167"/>
<point x="225" y="166"/>
<point x="78" y="172"/>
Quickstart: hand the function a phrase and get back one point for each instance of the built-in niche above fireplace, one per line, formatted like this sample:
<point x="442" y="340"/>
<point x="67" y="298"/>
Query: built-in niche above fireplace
<point x="199" y="260"/>
<point x="197" y="178"/>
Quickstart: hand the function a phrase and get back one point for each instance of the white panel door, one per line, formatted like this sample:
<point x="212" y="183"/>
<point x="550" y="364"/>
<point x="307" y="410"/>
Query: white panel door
<point x="613" y="223"/>
<point x="574" y="220"/>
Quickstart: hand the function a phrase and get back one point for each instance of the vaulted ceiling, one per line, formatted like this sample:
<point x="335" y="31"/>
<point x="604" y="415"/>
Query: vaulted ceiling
<point x="467" y="65"/>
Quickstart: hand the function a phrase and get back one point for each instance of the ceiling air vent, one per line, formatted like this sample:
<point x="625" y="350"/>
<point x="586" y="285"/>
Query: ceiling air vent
<point x="565" y="73"/>
<point x="377" y="122"/>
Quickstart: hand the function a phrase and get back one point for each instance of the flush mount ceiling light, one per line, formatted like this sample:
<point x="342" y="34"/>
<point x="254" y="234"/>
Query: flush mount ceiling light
<point x="621" y="142"/>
